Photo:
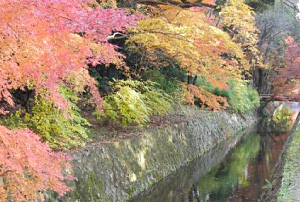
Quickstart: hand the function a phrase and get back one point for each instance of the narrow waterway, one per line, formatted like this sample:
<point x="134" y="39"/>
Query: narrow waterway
<point x="235" y="171"/>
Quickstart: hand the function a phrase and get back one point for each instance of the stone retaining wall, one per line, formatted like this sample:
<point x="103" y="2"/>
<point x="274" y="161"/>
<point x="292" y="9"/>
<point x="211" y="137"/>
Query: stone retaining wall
<point x="116" y="171"/>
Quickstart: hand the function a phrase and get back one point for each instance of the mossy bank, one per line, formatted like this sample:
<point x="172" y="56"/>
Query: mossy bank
<point x="290" y="184"/>
<point x="117" y="171"/>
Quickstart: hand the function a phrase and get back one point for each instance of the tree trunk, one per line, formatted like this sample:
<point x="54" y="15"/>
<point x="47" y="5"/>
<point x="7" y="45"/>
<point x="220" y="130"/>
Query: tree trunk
<point x="189" y="79"/>
<point x="195" y="80"/>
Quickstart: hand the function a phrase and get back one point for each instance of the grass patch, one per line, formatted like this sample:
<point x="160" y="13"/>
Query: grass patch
<point x="290" y="170"/>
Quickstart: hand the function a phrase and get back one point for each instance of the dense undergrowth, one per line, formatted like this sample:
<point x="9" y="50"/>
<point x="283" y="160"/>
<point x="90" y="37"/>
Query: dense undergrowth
<point x="60" y="130"/>
<point x="134" y="102"/>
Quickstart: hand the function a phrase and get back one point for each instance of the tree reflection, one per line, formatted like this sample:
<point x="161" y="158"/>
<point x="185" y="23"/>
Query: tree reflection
<point x="232" y="174"/>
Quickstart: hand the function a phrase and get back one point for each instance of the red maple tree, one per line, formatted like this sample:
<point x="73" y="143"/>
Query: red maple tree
<point x="45" y="43"/>
<point x="287" y="83"/>
<point x="28" y="166"/>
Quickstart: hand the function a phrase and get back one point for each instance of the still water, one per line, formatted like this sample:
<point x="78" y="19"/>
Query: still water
<point x="235" y="171"/>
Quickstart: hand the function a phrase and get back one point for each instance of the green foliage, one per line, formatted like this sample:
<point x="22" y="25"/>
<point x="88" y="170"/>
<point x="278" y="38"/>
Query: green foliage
<point x="60" y="130"/>
<point x="168" y="85"/>
<point x="242" y="98"/>
<point x="202" y="82"/>
<point x="289" y="181"/>
<point x="283" y="117"/>
<point x="133" y="102"/>
<point x="220" y="180"/>
<point x="127" y="106"/>
<point x="281" y="120"/>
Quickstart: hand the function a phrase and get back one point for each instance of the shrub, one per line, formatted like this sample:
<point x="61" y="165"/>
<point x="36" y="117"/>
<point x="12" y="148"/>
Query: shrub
<point x="242" y="98"/>
<point x="202" y="97"/>
<point x="127" y="105"/>
<point x="283" y="116"/>
<point x="28" y="166"/>
<point x="60" y="130"/>
<point x="133" y="102"/>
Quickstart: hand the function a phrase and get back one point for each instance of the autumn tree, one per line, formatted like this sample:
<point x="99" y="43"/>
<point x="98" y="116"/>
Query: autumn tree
<point x="28" y="166"/>
<point x="178" y="3"/>
<point x="287" y="83"/>
<point x="187" y="36"/>
<point x="191" y="38"/>
<point x="275" y="24"/>
<point x="239" y="21"/>
<point x="45" y="44"/>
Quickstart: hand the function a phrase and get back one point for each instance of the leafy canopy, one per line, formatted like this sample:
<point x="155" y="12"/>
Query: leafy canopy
<point x="287" y="83"/>
<point x="238" y="20"/>
<point x="44" y="42"/>
<point x="45" y="45"/>
<point x="28" y="166"/>
<point x="189" y="37"/>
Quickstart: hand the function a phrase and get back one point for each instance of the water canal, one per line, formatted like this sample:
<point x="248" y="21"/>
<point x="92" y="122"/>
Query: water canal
<point x="235" y="171"/>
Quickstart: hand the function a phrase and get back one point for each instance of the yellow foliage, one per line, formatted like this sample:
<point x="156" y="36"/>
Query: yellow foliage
<point x="239" y="20"/>
<point x="202" y="49"/>
<point x="108" y="3"/>
<point x="187" y="36"/>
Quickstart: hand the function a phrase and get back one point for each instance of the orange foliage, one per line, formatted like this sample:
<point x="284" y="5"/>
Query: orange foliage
<point x="190" y="37"/>
<point x="45" y="42"/>
<point x="219" y="83"/>
<point x="209" y="1"/>
<point x="287" y="83"/>
<point x="28" y="166"/>
<point x="207" y="98"/>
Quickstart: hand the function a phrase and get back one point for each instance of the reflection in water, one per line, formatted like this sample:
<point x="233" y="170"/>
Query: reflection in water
<point x="224" y="174"/>
<point x="232" y="174"/>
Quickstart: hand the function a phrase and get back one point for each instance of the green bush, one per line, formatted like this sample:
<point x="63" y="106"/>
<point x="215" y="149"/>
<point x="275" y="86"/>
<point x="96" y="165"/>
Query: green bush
<point x="242" y="98"/>
<point x="202" y="82"/>
<point x="60" y="130"/>
<point x="283" y="116"/>
<point x="133" y="102"/>
<point x="127" y="105"/>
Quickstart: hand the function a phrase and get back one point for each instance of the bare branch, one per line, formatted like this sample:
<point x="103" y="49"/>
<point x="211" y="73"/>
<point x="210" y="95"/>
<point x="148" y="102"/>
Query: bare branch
<point x="291" y="5"/>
